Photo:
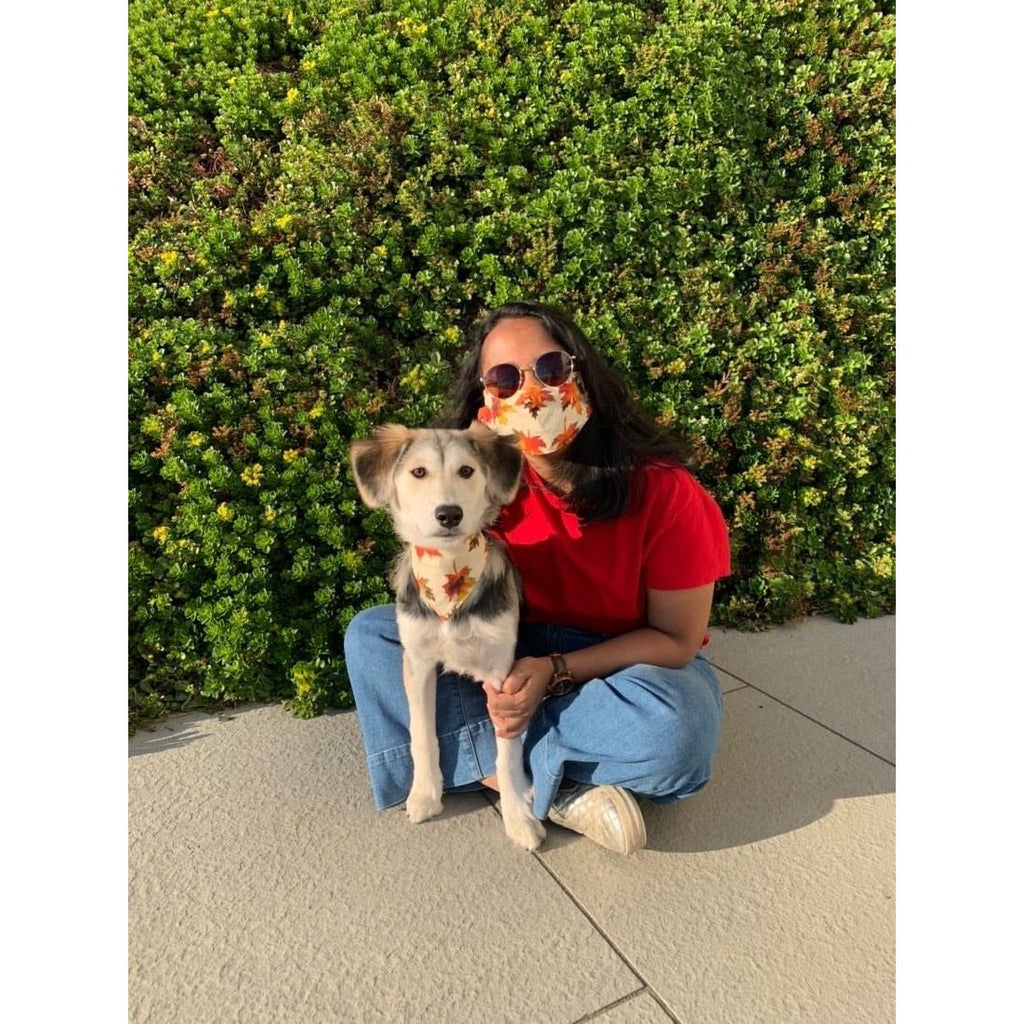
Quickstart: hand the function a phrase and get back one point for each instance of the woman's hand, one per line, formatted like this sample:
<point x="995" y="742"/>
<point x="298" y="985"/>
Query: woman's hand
<point x="521" y="693"/>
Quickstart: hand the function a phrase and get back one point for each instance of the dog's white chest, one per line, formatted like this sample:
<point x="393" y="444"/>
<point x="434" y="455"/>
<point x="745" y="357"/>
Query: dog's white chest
<point x="475" y="648"/>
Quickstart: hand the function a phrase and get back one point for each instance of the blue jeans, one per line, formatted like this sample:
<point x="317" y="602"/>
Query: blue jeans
<point x="651" y="730"/>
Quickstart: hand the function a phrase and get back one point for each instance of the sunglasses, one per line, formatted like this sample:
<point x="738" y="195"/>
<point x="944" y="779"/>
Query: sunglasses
<point x="551" y="369"/>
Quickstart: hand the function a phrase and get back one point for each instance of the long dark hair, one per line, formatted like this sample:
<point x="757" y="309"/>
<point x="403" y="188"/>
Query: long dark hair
<point x="619" y="437"/>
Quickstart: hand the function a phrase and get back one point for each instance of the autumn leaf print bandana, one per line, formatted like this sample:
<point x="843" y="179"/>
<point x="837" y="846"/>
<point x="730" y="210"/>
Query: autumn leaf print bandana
<point x="543" y="419"/>
<point x="446" y="575"/>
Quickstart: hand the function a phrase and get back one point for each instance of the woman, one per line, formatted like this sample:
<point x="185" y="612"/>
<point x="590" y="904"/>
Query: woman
<point x="619" y="549"/>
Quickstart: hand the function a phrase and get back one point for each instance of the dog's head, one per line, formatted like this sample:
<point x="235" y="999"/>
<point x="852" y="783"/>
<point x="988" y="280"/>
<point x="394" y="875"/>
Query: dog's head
<point x="437" y="484"/>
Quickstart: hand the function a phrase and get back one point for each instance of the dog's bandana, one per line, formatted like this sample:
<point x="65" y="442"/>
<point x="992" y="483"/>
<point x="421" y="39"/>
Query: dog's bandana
<point x="446" y="575"/>
<point x="543" y="419"/>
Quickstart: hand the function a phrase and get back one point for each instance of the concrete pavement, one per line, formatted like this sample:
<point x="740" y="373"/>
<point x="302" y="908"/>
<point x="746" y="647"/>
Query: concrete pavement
<point x="264" y="887"/>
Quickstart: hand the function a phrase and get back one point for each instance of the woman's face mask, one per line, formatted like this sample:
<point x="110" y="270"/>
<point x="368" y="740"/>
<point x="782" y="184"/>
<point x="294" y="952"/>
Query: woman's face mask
<point x="544" y="416"/>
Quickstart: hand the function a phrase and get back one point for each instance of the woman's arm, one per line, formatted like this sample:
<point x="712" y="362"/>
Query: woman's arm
<point x="676" y="623"/>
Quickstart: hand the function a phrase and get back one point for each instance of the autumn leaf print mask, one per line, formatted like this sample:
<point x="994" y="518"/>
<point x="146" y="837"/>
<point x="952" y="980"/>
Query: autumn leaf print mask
<point x="543" y="419"/>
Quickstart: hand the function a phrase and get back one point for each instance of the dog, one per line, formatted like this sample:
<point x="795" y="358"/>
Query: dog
<point x="457" y="595"/>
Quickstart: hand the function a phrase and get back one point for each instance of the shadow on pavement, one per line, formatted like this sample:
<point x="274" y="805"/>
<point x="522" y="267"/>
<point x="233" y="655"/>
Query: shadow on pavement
<point x="775" y="772"/>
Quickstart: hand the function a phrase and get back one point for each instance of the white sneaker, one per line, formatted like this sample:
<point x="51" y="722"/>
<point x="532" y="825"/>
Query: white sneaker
<point x="608" y="815"/>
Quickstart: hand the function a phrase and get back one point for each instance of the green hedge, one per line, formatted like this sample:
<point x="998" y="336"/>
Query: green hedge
<point x="324" y="195"/>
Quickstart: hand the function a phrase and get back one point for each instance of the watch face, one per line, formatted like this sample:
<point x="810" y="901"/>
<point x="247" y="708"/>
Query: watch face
<point x="562" y="687"/>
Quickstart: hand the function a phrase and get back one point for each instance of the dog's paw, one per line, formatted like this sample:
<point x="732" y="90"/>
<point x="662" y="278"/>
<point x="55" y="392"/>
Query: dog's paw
<point x="524" y="829"/>
<point x="422" y="807"/>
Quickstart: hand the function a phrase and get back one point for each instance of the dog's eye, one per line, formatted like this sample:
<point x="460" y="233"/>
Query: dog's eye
<point x="466" y="472"/>
<point x="419" y="472"/>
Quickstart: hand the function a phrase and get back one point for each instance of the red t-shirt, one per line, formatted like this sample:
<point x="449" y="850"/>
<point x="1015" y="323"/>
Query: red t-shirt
<point x="596" y="577"/>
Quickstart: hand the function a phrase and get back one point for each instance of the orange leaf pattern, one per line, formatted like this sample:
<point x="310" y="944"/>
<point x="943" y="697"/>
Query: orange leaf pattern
<point x="567" y="436"/>
<point x="533" y="397"/>
<point x="443" y="591"/>
<point x="571" y="395"/>
<point x="497" y="411"/>
<point x="458" y="584"/>
<point x="531" y="444"/>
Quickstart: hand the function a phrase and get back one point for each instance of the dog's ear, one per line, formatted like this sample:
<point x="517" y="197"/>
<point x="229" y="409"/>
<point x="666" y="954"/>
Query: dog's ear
<point x="374" y="460"/>
<point x="504" y="462"/>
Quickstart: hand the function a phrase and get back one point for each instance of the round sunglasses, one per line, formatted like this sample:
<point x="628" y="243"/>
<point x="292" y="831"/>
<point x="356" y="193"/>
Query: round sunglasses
<point x="551" y="369"/>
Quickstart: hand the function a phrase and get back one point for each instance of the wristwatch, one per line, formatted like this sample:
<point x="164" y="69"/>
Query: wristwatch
<point x="562" y="681"/>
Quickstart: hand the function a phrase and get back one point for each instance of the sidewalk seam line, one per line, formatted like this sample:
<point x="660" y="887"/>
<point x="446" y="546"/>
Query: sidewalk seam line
<point x="645" y="985"/>
<point x="810" y="718"/>
<point x="612" y="1005"/>
<point x="604" y="935"/>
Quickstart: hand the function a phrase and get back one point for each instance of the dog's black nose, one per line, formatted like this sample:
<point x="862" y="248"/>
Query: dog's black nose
<point x="448" y="516"/>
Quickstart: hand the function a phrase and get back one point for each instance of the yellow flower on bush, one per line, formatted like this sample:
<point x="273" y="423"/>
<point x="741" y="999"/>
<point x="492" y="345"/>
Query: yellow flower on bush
<point x="316" y="412"/>
<point x="883" y="564"/>
<point x="758" y="473"/>
<point x="195" y="439"/>
<point x="412" y="29"/>
<point x="260" y="289"/>
<point x="161" y="533"/>
<point x="224" y="512"/>
<point x="284" y="220"/>
<point x="292" y="97"/>
<point x="291" y="455"/>
<point x="252" y="475"/>
<point x="269" y="514"/>
<point x="168" y="258"/>
<point x="452" y="333"/>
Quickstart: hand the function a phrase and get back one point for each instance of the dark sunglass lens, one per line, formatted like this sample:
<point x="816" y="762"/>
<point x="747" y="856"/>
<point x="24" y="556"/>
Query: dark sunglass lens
<point x="502" y="380"/>
<point x="553" y="368"/>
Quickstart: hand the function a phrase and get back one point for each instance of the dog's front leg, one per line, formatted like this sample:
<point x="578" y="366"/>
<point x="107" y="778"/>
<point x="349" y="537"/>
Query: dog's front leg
<point x="516" y="811"/>
<point x="420" y="681"/>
